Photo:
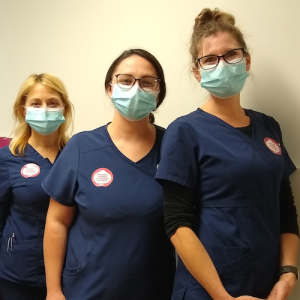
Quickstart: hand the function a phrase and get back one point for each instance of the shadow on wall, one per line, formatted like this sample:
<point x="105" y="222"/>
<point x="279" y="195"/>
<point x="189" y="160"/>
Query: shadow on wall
<point x="4" y="141"/>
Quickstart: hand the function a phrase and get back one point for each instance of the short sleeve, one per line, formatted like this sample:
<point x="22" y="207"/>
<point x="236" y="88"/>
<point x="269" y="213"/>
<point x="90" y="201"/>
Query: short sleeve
<point x="61" y="182"/>
<point x="5" y="192"/>
<point x="179" y="156"/>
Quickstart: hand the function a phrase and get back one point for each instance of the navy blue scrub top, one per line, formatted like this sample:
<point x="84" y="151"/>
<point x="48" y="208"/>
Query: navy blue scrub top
<point x="23" y="209"/>
<point x="236" y="180"/>
<point x="117" y="246"/>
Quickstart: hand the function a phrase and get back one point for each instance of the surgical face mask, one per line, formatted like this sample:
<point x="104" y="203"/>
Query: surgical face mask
<point x="226" y="80"/>
<point x="134" y="104"/>
<point x="44" y="120"/>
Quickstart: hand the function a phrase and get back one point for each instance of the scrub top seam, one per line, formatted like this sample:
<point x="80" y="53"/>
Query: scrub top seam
<point x="180" y="180"/>
<point x="94" y="149"/>
<point x="191" y="133"/>
<point x="87" y="209"/>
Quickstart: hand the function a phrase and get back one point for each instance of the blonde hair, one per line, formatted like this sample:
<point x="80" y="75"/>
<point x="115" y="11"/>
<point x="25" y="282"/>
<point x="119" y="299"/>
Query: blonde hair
<point x="23" y="131"/>
<point x="208" y="23"/>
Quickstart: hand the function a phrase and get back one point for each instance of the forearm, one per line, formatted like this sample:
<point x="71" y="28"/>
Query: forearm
<point x="55" y="242"/>
<point x="288" y="257"/>
<point x="289" y="244"/>
<point x="59" y="219"/>
<point x="196" y="259"/>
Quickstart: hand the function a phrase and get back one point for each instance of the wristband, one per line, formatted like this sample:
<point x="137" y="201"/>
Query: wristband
<point x="289" y="269"/>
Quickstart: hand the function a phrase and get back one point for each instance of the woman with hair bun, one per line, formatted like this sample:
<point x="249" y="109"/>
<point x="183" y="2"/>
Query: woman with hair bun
<point x="105" y="235"/>
<point x="228" y="204"/>
<point x="43" y="113"/>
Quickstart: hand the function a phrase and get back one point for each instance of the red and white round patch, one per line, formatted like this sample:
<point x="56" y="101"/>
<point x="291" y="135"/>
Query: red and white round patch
<point x="30" y="170"/>
<point x="102" y="177"/>
<point x="273" y="145"/>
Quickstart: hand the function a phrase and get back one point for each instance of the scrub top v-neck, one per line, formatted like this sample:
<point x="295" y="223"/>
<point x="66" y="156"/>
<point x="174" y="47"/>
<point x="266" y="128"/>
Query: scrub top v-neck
<point x="23" y="209"/>
<point x="117" y="247"/>
<point x="236" y="179"/>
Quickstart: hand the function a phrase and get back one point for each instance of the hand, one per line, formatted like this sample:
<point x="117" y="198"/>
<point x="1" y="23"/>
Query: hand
<point x="56" y="296"/>
<point x="283" y="288"/>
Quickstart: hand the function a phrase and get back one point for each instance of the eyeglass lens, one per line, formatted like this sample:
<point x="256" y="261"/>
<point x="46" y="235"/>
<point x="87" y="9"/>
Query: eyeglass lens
<point x="231" y="57"/>
<point x="147" y="83"/>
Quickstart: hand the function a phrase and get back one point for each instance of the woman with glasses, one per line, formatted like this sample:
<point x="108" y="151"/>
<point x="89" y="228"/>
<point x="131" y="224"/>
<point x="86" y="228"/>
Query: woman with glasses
<point x="105" y="236"/>
<point x="43" y="113"/>
<point x="229" y="209"/>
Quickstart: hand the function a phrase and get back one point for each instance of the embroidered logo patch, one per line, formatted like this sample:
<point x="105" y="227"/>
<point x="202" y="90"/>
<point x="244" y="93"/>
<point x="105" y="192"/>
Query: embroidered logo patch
<point x="30" y="170"/>
<point x="273" y="145"/>
<point x="102" y="177"/>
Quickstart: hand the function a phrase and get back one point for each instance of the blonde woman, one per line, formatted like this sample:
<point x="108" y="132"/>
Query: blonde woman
<point x="44" y="114"/>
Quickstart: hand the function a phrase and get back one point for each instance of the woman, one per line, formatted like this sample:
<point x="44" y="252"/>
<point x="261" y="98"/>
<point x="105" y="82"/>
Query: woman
<point x="43" y="113"/>
<point x="229" y="209"/>
<point x="104" y="236"/>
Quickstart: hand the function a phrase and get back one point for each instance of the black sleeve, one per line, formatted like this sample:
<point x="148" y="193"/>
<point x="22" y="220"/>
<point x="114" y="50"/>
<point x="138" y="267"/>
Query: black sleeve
<point x="288" y="212"/>
<point x="179" y="206"/>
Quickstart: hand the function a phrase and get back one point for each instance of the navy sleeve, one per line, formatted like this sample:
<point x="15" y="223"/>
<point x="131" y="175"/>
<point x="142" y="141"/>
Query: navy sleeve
<point x="5" y="192"/>
<point x="179" y="156"/>
<point x="61" y="183"/>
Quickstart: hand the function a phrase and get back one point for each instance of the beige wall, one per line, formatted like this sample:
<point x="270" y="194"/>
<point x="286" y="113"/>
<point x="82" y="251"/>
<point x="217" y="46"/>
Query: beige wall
<point x="77" y="41"/>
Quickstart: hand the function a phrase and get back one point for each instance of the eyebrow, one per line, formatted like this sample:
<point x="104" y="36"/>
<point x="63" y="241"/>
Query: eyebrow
<point x="52" y="98"/>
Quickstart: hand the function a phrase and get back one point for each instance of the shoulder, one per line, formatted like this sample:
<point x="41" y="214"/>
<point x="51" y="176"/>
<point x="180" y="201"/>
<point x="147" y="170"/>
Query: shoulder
<point x="197" y="117"/>
<point x="5" y="154"/>
<point x="190" y="124"/>
<point x="262" y="119"/>
<point x="89" y="140"/>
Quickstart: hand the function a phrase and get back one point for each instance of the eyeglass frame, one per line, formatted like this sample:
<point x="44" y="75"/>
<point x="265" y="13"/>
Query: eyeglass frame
<point x="137" y="79"/>
<point x="222" y="56"/>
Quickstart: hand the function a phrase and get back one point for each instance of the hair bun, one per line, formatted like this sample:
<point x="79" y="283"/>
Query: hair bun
<point x="207" y="15"/>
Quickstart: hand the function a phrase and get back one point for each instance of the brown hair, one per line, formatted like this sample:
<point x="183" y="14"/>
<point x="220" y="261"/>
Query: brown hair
<point x="23" y="131"/>
<point x="208" y="23"/>
<point x="154" y="62"/>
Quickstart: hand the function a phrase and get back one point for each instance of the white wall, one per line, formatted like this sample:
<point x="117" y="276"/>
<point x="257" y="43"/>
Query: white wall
<point x="77" y="40"/>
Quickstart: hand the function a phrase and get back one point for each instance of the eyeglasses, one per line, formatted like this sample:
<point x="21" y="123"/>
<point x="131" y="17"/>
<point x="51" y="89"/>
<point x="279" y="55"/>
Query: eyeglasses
<point x="231" y="57"/>
<point x="147" y="83"/>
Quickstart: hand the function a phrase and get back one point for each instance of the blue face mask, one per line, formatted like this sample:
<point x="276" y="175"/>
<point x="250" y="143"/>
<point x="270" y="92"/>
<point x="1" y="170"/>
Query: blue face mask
<point x="44" y="120"/>
<point x="135" y="104"/>
<point x="226" y="80"/>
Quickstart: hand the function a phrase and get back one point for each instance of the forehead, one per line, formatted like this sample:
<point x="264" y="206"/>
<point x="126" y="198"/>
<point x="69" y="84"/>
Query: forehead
<point x="41" y="91"/>
<point x="136" y="66"/>
<point x="218" y="44"/>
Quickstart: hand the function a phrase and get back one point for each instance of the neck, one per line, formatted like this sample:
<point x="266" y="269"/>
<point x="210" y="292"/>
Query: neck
<point x="230" y="107"/>
<point x="229" y="110"/>
<point x="124" y="129"/>
<point x="37" y="140"/>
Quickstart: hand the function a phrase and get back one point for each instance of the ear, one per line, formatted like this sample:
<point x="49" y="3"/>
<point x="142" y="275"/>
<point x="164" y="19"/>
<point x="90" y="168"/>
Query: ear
<point x="196" y="72"/>
<point x="109" y="90"/>
<point x="248" y="62"/>
<point x="24" y="111"/>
